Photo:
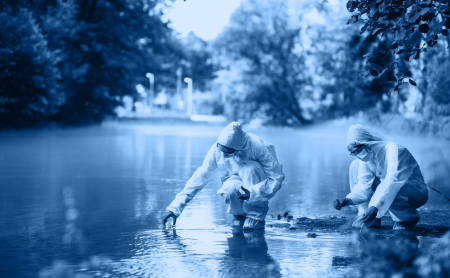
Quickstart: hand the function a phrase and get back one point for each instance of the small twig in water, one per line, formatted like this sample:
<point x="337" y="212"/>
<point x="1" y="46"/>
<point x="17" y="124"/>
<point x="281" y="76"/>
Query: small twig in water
<point x="439" y="193"/>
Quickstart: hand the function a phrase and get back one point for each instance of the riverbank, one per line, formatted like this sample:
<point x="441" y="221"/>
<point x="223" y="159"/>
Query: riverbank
<point x="432" y="223"/>
<point x="437" y="127"/>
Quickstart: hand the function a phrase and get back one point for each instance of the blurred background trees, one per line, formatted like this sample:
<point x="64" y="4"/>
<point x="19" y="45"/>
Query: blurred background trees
<point x="262" y="36"/>
<point x="280" y="62"/>
<point x="106" y="48"/>
<point x="71" y="61"/>
<point x="296" y="63"/>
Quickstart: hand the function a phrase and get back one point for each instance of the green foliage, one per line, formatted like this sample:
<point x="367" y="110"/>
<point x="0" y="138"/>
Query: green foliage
<point x="438" y="79"/>
<point x="29" y="77"/>
<point x="262" y="41"/>
<point x="71" y="61"/>
<point x="350" y="95"/>
<point x="107" y="49"/>
<point x="199" y="63"/>
<point x="407" y="21"/>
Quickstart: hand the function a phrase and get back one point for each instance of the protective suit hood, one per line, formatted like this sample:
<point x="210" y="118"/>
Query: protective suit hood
<point x="362" y="135"/>
<point x="233" y="136"/>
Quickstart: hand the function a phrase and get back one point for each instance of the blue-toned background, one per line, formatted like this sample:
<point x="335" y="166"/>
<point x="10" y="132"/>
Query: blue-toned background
<point x="107" y="107"/>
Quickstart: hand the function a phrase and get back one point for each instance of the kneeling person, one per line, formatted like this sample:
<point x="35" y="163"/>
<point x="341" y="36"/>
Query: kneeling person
<point x="250" y="174"/>
<point x="385" y="177"/>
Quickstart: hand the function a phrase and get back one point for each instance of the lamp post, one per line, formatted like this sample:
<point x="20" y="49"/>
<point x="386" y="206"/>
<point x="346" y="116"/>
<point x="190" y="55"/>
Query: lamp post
<point x="179" y="73"/>
<point x="189" y="95"/>
<point x="151" y="79"/>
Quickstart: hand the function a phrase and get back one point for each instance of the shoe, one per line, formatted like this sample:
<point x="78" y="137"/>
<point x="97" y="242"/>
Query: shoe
<point x="406" y="225"/>
<point x="253" y="224"/>
<point x="238" y="220"/>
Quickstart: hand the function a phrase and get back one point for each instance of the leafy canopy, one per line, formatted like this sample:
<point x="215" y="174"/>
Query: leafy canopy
<point x="261" y="36"/>
<point x="407" y="22"/>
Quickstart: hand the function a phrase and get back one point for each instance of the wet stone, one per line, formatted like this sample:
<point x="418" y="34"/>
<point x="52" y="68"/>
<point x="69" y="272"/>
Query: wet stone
<point x="311" y="235"/>
<point x="304" y="220"/>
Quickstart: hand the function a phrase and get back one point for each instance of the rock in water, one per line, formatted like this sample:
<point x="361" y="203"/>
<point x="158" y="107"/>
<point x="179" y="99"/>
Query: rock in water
<point x="311" y="235"/>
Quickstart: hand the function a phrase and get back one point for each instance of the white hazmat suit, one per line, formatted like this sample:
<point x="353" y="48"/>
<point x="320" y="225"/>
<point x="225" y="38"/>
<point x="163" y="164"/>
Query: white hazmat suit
<point x="254" y="165"/>
<point x="401" y="189"/>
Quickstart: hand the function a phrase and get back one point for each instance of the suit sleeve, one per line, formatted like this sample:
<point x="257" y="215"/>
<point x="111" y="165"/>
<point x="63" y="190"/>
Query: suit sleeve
<point x="362" y="192"/>
<point x="201" y="177"/>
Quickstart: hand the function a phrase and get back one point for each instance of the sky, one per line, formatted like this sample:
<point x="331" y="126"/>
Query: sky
<point x="205" y="18"/>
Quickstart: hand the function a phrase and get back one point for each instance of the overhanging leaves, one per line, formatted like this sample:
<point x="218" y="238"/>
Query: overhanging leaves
<point x="402" y="18"/>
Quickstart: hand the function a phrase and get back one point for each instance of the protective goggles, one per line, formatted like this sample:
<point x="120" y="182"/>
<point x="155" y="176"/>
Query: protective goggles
<point x="357" y="150"/>
<point x="225" y="149"/>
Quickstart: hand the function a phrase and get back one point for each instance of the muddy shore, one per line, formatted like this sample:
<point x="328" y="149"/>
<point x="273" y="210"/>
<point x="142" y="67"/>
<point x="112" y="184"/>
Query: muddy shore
<point x="432" y="223"/>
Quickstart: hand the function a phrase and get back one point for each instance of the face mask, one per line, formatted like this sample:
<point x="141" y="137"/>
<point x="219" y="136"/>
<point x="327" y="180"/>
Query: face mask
<point x="236" y="157"/>
<point x="364" y="155"/>
<point x="227" y="155"/>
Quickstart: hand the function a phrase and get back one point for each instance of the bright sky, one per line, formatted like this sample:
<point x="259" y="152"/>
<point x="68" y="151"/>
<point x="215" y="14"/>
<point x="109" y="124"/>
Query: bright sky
<point x="205" y="18"/>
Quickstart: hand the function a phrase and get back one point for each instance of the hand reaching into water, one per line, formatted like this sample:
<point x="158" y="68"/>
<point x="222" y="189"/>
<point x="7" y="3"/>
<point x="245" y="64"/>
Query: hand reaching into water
<point x="370" y="215"/>
<point x="167" y="216"/>
<point x="367" y="220"/>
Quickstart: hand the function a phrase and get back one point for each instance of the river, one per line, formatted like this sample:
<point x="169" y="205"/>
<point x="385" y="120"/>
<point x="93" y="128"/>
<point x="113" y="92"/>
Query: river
<point x="88" y="200"/>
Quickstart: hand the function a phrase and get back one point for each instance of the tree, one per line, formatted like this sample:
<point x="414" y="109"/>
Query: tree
<point x="267" y="47"/>
<point x="199" y="65"/>
<point x="29" y="77"/>
<point x="71" y="61"/>
<point x="107" y="48"/>
<point x="350" y="95"/>
<point x="412" y="25"/>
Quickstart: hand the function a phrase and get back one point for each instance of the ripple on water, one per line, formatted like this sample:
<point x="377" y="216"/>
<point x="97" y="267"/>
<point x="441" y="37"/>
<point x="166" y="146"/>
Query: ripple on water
<point x="225" y="252"/>
<point x="124" y="177"/>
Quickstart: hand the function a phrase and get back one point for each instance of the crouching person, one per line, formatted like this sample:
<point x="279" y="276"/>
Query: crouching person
<point x="250" y="172"/>
<point x="385" y="177"/>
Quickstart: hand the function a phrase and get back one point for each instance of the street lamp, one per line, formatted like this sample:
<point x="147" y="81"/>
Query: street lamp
<point x="151" y="79"/>
<point x="189" y="95"/>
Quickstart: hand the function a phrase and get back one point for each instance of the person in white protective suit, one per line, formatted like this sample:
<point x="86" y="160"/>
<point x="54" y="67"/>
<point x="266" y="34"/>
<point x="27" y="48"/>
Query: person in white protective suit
<point x="250" y="172"/>
<point x="385" y="177"/>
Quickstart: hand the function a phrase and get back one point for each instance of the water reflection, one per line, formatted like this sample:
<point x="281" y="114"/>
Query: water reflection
<point x="252" y="245"/>
<point x="343" y="262"/>
<point x="123" y="177"/>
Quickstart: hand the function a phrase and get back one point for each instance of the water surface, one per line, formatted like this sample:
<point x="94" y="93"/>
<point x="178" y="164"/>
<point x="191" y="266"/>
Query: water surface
<point x="79" y="195"/>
